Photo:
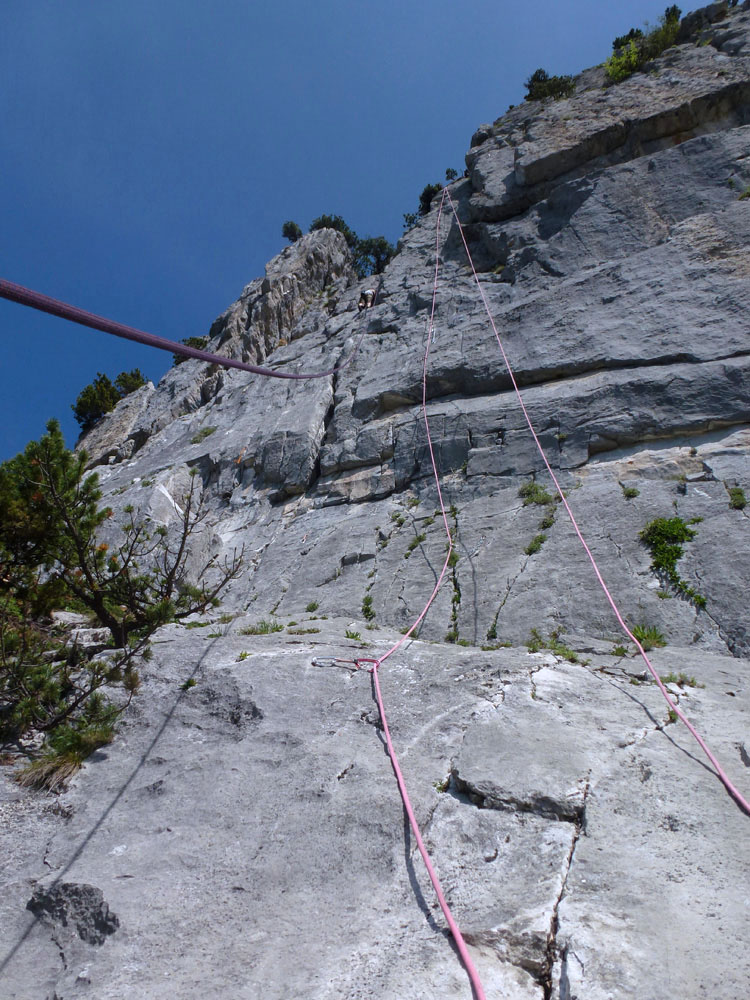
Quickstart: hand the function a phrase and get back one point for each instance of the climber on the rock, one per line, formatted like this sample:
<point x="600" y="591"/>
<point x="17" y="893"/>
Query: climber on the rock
<point x="366" y="299"/>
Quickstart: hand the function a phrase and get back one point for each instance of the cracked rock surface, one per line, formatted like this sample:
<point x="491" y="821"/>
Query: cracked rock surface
<point x="243" y="836"/>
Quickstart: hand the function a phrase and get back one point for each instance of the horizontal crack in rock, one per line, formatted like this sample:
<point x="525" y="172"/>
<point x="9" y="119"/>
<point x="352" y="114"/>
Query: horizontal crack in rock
<point x="546" y="806"/>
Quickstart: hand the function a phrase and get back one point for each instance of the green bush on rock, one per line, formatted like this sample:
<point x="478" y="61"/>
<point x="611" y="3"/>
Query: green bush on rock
<point x="51" y="557"/>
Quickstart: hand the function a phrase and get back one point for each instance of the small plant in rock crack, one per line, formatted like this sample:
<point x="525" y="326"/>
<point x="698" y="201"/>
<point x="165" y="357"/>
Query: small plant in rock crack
<point x="649" y="636"/>
<point x="243" y="656"/>
<point x="619" y="651"/>
<point x="312" y="606"/>
<point x="737" y="499"/>
<point x="664" y="538"/>
<point x="349" y="634"/>
<point x="262" y="627"/>
<point x="417" y="540"/>
<point x="630" y="492"/>
<point x="536" y="642"/>
<point x="535" y="544"/>
<point x="189" y="683"/>
<point x="442" y="786"/>
<point x="548" y="520"/>
<point x="532" y="492"/>
<point x="681" y="680"/>
<point x="367" y="610"/>
<point x="397" y="518"/>
<point x="202" y="434"/>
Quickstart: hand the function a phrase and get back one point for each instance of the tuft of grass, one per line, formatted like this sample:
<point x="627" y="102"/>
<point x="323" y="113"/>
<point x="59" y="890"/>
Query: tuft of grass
<point x="417" y="540"/>
<point x="536" y="642"/>
<point x="737" y="498"/>
<point x="66" y="751"/>
<point x="745" y="195"/>
<point x="197" y="624"/>
<point x="548" y="520"/>
<point x="397" y="517"/>
<point x="367" y="610"/>
<point x="302" y="631"/>
<point x="619" y="651"/>
<point x="532" y="492"/>
<point x="262" y="628"/>
<point x="412" y="501"/>
<point x="202" y="434"/>
<point x="243" y="656"/>
<point x="312" y="606"/>
<point x="535" y="544"/>
<point x="496" y="645"/>
<point x="649" y="636"/>
<point x="630" y="492"/>
<point x="681" y="679"/>
<point x="349" y="634"/>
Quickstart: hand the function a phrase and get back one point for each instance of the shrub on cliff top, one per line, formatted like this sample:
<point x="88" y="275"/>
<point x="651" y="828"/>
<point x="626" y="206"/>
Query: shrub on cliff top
<point x="634" y="50"/>
<point x="101" y="396"/>
<point x="291" y="231"/>
<point x="540" y="84"/>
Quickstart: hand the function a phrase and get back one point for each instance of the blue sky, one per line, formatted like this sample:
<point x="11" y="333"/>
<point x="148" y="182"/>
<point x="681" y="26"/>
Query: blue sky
<point x="150" y="150"/>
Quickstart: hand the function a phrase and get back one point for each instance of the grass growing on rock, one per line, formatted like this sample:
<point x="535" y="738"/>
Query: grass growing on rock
<point x="649" y="636"/>
<point x="263" y="627"/>
<point x="664" y="537"/>
<point x="535" y="544"/>
<point x="536" y="642"/>
<point x="202" y="434"/>
<point x="737" y="498"/>
<point x="532" y="492"/>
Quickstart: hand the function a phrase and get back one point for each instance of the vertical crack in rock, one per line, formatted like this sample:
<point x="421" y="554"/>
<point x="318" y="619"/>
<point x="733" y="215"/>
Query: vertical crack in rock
<point x="552" y="950"/>
<point x="452" y="635"/>
<point x="509" y="583"/>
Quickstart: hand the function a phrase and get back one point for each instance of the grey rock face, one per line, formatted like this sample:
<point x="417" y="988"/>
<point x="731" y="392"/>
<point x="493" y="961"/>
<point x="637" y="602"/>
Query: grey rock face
<point x="247" y="829"/>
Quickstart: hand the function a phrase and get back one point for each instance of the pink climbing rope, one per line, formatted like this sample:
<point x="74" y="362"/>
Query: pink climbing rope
<point x="376" y="664"/>
<point x="723" y="777"/>
<point x="28" y="297"/>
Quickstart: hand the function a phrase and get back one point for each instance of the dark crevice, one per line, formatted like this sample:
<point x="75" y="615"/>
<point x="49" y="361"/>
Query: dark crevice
<point x="552" y="950"/>
<point x="546" y="806"/>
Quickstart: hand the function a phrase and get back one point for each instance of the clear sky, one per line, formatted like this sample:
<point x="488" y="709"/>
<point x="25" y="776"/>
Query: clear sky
<point x="150" y="150"/>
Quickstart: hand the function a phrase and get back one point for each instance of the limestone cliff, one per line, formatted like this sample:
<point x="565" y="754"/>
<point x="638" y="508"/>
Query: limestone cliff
<point x="245" y="837"/>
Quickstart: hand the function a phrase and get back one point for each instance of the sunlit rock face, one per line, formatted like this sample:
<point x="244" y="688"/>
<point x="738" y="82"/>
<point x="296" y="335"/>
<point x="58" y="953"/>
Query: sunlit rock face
<point x="247" y="832"/>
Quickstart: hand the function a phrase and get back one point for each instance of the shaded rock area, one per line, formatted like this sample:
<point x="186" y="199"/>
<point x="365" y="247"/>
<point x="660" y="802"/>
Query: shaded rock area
<point x="245" y="827"/>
